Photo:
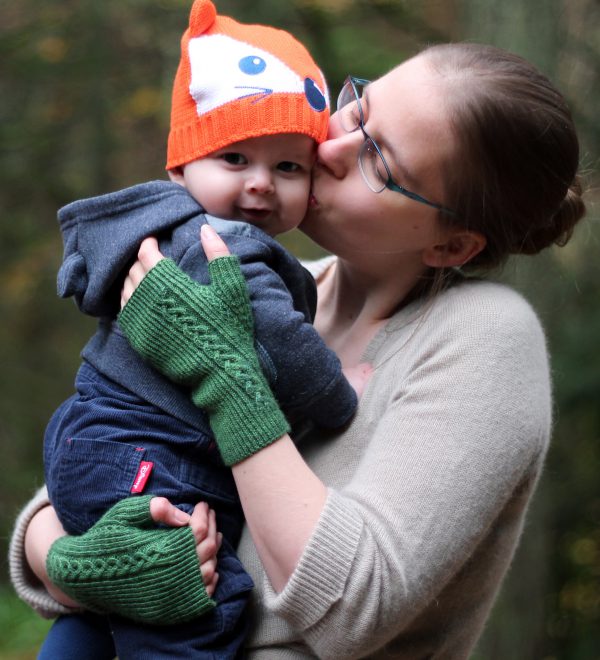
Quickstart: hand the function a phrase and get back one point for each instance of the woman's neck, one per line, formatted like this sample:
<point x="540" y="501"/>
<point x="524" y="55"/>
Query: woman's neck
<point x="353" y="304"/>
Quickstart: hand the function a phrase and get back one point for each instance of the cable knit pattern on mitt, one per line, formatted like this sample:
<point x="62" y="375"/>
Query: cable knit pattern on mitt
<point x="126" y="565"/>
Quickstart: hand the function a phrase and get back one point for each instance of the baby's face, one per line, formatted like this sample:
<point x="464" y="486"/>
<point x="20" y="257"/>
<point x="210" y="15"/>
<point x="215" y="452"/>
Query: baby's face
<point x="263" y="180"/>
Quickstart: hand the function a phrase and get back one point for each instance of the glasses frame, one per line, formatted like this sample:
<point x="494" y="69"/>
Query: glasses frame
<point x="390" y="184"/>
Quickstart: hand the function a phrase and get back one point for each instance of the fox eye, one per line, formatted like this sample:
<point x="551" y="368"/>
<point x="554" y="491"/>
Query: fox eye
<point x="252" y="65"/>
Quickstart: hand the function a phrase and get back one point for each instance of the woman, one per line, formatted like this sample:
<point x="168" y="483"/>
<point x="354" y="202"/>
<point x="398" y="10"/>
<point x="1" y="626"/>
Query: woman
<point x="391" y="538"/>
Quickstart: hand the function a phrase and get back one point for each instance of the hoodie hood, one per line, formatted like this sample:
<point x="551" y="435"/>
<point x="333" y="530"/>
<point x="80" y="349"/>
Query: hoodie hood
<point x="102" y="235"/>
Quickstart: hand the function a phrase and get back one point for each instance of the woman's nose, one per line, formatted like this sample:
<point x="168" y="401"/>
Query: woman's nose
<point x="339" y="153"/>
<point x="260" y="180"/>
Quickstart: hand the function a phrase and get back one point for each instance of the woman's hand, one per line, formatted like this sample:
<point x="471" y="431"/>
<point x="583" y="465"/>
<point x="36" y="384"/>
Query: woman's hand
<point x="45" y="528"/>
<point x="149" y="255"/>
<point x="125" y="564"/>
<point x="282" y="525"/>
<point x="202" y="336"/>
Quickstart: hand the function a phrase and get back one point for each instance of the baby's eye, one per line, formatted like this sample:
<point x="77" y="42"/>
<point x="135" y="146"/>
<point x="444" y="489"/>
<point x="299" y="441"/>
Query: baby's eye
<point x="234" y="158"/>
<point x="288" y="166"/>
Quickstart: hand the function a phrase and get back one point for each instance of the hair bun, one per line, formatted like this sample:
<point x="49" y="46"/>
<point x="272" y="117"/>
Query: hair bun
<point x="559" y="229"/>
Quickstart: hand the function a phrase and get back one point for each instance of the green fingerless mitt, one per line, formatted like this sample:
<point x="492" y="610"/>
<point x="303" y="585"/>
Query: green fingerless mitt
<point x="202" y="336"/>
<point x="126" y="565"/>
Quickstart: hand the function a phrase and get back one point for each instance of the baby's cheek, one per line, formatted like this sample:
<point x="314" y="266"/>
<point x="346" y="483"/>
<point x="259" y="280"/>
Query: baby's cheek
<point x="296" y="203"/>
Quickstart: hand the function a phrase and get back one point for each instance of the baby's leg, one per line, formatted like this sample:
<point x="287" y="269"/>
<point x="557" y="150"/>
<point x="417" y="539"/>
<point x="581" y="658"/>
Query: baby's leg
<point x="77" y="636"/>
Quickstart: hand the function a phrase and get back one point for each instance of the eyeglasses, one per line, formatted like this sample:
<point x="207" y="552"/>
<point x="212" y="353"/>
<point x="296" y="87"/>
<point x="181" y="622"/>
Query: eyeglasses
<point x="372" y="164"/>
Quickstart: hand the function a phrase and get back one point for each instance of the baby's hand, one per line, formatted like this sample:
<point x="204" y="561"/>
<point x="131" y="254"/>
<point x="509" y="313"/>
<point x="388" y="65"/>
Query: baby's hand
<point x="148" y="256"/>
<point x="358" y="376"/>
<point x="204" y="526"/>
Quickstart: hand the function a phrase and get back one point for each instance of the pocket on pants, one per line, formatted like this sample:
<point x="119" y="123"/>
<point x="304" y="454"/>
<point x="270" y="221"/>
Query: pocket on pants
<point x="88" y="476"/>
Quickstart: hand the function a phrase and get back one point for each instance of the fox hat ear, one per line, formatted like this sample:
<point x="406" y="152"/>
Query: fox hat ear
<point x="238" y="81"/>
<point x="202" y="17"/>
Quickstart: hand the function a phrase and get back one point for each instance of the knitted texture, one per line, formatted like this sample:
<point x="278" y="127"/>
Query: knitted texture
<point x="236" y="82"/>
<point x="125" y="565"/>
<point x="202" y="336"/>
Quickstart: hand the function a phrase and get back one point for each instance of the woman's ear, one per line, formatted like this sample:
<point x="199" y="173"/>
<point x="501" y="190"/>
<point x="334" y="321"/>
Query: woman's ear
<point x="458" y="250"/>
<point x="176" y="175"/>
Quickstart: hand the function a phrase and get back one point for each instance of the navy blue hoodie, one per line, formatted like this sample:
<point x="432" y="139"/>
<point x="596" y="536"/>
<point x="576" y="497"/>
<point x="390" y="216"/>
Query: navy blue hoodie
<point x="101" y="238"/>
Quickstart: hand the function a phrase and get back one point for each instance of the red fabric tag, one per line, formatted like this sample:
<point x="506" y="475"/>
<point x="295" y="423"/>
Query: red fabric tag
<point x="142" y="476"/>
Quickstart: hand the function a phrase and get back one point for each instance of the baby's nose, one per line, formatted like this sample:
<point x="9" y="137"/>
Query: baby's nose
<point x="260" y="180"/>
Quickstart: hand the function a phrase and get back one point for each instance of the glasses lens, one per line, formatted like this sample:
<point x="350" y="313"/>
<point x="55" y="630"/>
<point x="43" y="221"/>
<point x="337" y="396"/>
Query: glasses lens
<point x="345" y="96"/>
<point x="372" y="166"/>
<point x="348" y="111"/>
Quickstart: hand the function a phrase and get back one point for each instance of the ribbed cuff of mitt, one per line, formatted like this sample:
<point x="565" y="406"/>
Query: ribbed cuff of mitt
<point x="240" y="435"/>
<point x="126" y="565"/>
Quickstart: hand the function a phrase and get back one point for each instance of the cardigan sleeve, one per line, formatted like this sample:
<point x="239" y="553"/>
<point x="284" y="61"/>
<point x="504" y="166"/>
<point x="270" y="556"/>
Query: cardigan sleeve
<point x="462" y="437"/>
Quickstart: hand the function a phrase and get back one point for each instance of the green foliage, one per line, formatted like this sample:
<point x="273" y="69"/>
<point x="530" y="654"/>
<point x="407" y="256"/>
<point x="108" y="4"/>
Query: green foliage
<point x="85" y="88"/>
<point x="550" y="605"/>
<point x="21" y="629"/>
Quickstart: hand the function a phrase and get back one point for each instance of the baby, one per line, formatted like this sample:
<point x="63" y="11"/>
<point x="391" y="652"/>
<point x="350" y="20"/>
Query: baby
<point x="249" y="107"/>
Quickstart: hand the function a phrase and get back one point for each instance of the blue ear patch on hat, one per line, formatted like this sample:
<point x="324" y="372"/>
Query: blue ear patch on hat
<point x="315" y="97"/>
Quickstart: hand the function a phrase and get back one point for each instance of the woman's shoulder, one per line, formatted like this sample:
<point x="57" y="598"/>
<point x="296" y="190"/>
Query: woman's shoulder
<point x="473" y="317"/>
<point x="484" y="305"/>
<point x="488" y="323"/>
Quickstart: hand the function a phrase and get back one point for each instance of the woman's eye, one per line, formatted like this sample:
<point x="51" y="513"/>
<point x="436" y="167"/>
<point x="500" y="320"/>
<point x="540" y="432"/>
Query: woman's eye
<point x="353" y="116"/>
<point x="381" y="171"/>
<point x="234" y="158"/>
<point x="376" y="165"/>
<point x="288" y="166"/>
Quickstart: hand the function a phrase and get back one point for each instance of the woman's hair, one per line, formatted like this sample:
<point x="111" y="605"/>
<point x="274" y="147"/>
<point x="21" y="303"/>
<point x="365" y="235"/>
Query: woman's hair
<point x="513" y="176"/>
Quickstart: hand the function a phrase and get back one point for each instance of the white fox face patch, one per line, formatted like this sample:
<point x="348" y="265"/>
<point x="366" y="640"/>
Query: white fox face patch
<point x="225" y="70"/>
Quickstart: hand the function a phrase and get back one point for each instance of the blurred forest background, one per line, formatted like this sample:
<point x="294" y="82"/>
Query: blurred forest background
<point x="84" y="108"/>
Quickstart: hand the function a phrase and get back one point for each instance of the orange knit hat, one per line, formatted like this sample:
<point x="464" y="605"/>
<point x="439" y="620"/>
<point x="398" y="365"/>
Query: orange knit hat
<point x="236" y="82"/>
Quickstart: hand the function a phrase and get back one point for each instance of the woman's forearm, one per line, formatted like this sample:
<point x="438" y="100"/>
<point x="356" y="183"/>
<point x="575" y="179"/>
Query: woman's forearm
<point x="282" y="500"/>
<point x="281" y="496"/>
